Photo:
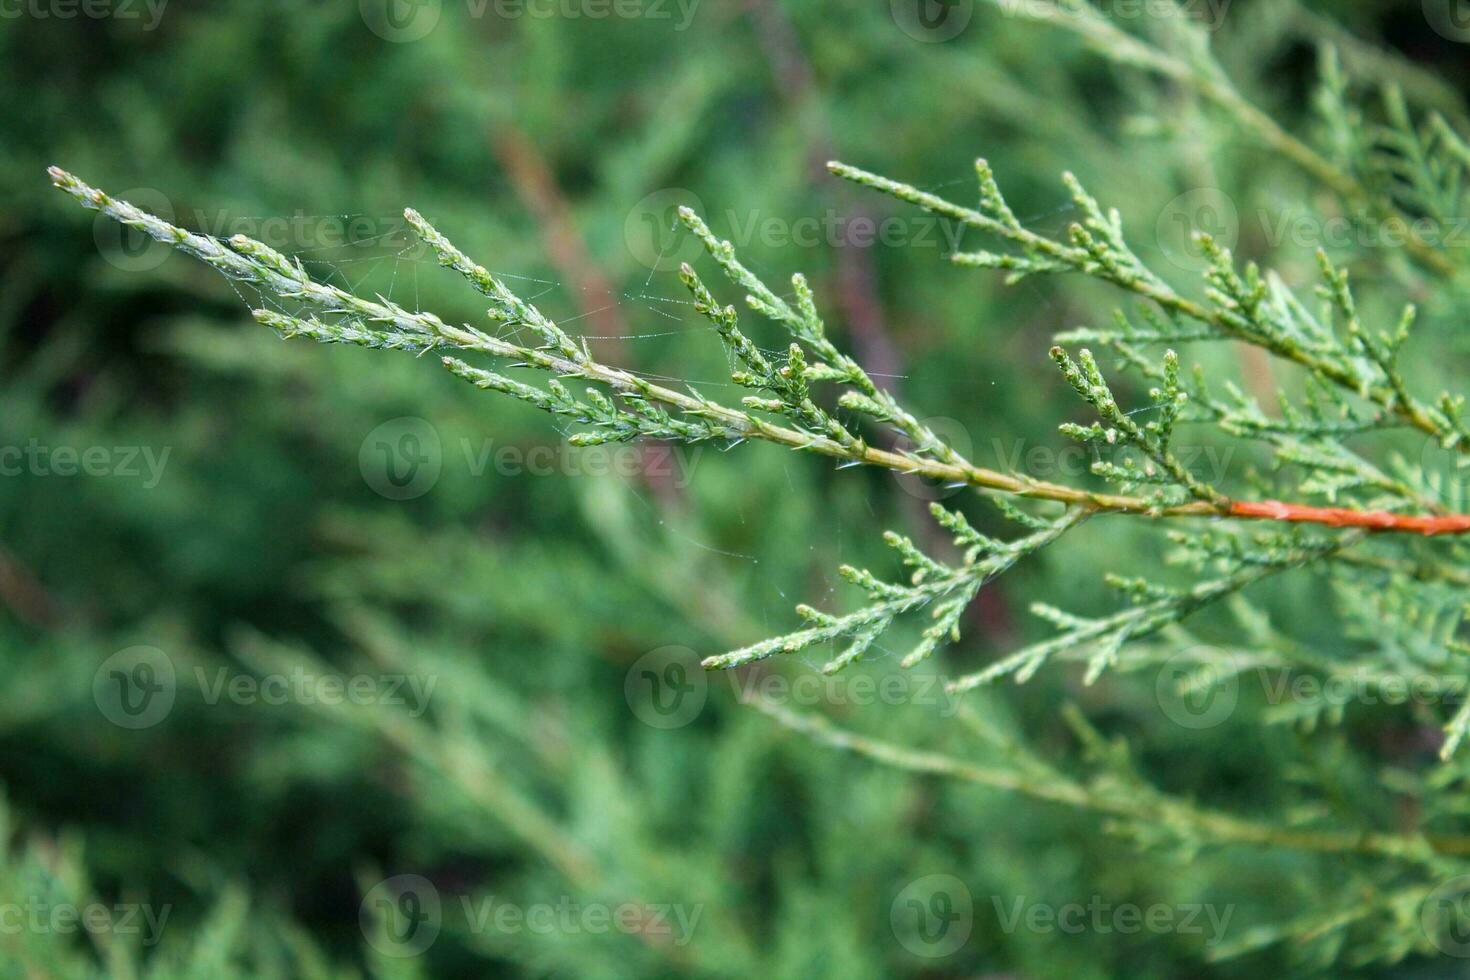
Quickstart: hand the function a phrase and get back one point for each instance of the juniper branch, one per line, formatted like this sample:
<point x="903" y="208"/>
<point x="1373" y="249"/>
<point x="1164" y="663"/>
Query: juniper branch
<point x="1184" y="818"/>
<point x="384" y="323"/>
<point x="1203" y="75"/>
<point x="1097" y="250"/>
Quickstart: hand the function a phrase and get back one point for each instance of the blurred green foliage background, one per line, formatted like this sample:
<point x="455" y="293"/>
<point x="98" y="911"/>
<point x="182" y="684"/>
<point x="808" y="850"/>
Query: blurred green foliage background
<point x="550" y="148"/>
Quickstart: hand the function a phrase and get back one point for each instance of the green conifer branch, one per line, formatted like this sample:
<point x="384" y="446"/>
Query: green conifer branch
<point x="627" y="406"/>
<point x="1133" y="801"/>
<point x="1199" y="71"/>
<point x="1239" y="307"/>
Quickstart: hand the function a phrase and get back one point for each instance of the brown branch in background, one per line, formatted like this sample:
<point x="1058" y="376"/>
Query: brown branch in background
<point x="857" y="273"/>
<point x="536" y="186"/>
<point x="24" y="595"/>
<point x="591" y="290"/>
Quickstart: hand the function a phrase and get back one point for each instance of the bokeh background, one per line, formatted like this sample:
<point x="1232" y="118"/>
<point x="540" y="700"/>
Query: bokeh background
<point x="258" y="509"/>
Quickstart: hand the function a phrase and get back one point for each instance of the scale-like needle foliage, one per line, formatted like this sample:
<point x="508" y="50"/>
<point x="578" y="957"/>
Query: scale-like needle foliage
<point x="1347" y="497"/>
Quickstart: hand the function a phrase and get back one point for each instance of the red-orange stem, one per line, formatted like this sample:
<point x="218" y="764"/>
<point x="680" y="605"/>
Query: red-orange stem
<point x="1376" y="520"/>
